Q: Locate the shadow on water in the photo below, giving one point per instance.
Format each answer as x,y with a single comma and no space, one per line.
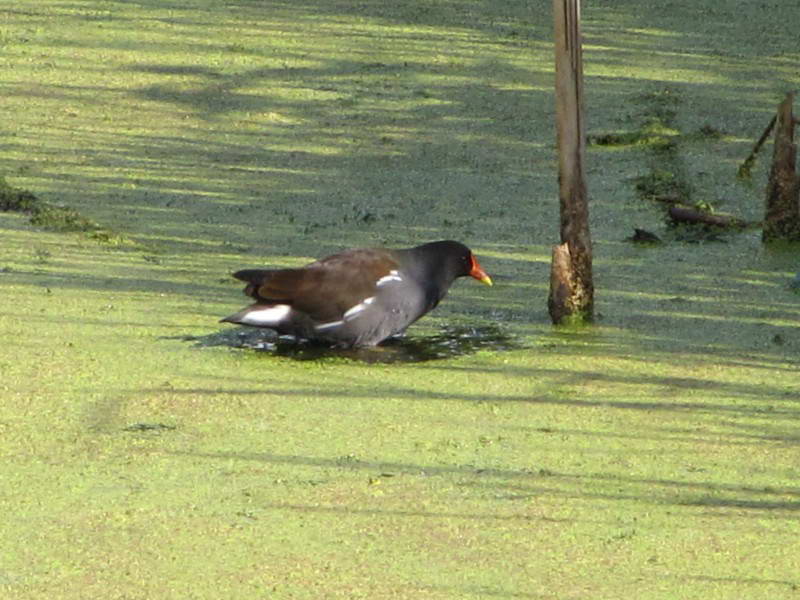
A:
449,343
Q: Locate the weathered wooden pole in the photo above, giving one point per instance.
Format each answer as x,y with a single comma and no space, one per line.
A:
571,288
782,218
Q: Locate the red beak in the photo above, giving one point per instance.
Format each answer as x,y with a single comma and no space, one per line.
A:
478,273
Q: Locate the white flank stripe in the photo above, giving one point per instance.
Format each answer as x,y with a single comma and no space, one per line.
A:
353,312
331,325
392,276
267,316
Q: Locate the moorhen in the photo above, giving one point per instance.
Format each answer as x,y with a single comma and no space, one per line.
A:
358,297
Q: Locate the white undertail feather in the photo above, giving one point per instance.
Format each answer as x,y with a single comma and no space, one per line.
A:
266,317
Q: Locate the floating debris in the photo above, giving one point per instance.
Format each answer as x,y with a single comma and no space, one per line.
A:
642,236
142,427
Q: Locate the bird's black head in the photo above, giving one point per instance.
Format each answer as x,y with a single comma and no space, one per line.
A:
456,259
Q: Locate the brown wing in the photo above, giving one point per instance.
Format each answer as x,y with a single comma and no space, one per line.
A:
269,285
325,289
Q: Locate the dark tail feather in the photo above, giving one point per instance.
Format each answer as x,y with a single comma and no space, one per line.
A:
254,276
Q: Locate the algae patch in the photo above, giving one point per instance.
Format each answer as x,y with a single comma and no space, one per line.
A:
16,200
52,217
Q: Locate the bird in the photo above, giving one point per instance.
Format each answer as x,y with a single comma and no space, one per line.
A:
358,297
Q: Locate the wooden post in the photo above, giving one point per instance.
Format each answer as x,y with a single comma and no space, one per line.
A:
782,218
571,287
